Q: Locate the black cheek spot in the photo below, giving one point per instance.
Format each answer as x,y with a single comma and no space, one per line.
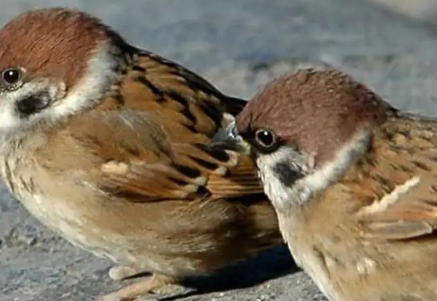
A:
286,173
33,104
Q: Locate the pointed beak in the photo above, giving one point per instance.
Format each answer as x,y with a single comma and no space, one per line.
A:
232,143
231,140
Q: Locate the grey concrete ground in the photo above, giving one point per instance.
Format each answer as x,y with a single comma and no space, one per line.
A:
238,45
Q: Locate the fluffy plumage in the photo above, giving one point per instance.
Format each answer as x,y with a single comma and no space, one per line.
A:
353,181
109,146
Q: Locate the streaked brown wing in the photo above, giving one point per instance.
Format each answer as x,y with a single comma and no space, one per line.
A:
140,162
158,121
240,180
171,92
403,174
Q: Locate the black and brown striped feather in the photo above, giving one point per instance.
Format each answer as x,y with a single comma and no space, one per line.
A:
158,121
403,148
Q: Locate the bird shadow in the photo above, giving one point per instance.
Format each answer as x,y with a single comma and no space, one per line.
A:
267,265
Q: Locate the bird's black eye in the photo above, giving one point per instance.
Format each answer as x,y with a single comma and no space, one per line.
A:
266,139
11,76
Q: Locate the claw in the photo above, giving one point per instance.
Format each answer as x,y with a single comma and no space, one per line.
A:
137,289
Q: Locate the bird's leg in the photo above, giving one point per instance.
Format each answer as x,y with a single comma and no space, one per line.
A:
139,288
122,272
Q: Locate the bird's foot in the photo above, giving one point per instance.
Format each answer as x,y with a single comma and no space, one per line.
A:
122,272
138,289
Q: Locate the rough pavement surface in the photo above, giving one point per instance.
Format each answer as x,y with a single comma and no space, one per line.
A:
238,45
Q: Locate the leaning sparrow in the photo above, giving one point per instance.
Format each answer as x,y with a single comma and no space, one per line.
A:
353,181
108,145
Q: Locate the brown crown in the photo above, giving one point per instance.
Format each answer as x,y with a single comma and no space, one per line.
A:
317,111
53,42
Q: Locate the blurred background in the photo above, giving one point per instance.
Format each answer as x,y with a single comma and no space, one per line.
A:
238,45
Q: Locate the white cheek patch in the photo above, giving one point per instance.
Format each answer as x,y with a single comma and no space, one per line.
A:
276,187
9,118
284,196
88,91
276,191
13,125
97,79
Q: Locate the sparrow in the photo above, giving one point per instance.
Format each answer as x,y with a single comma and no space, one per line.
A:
353,181
111,147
